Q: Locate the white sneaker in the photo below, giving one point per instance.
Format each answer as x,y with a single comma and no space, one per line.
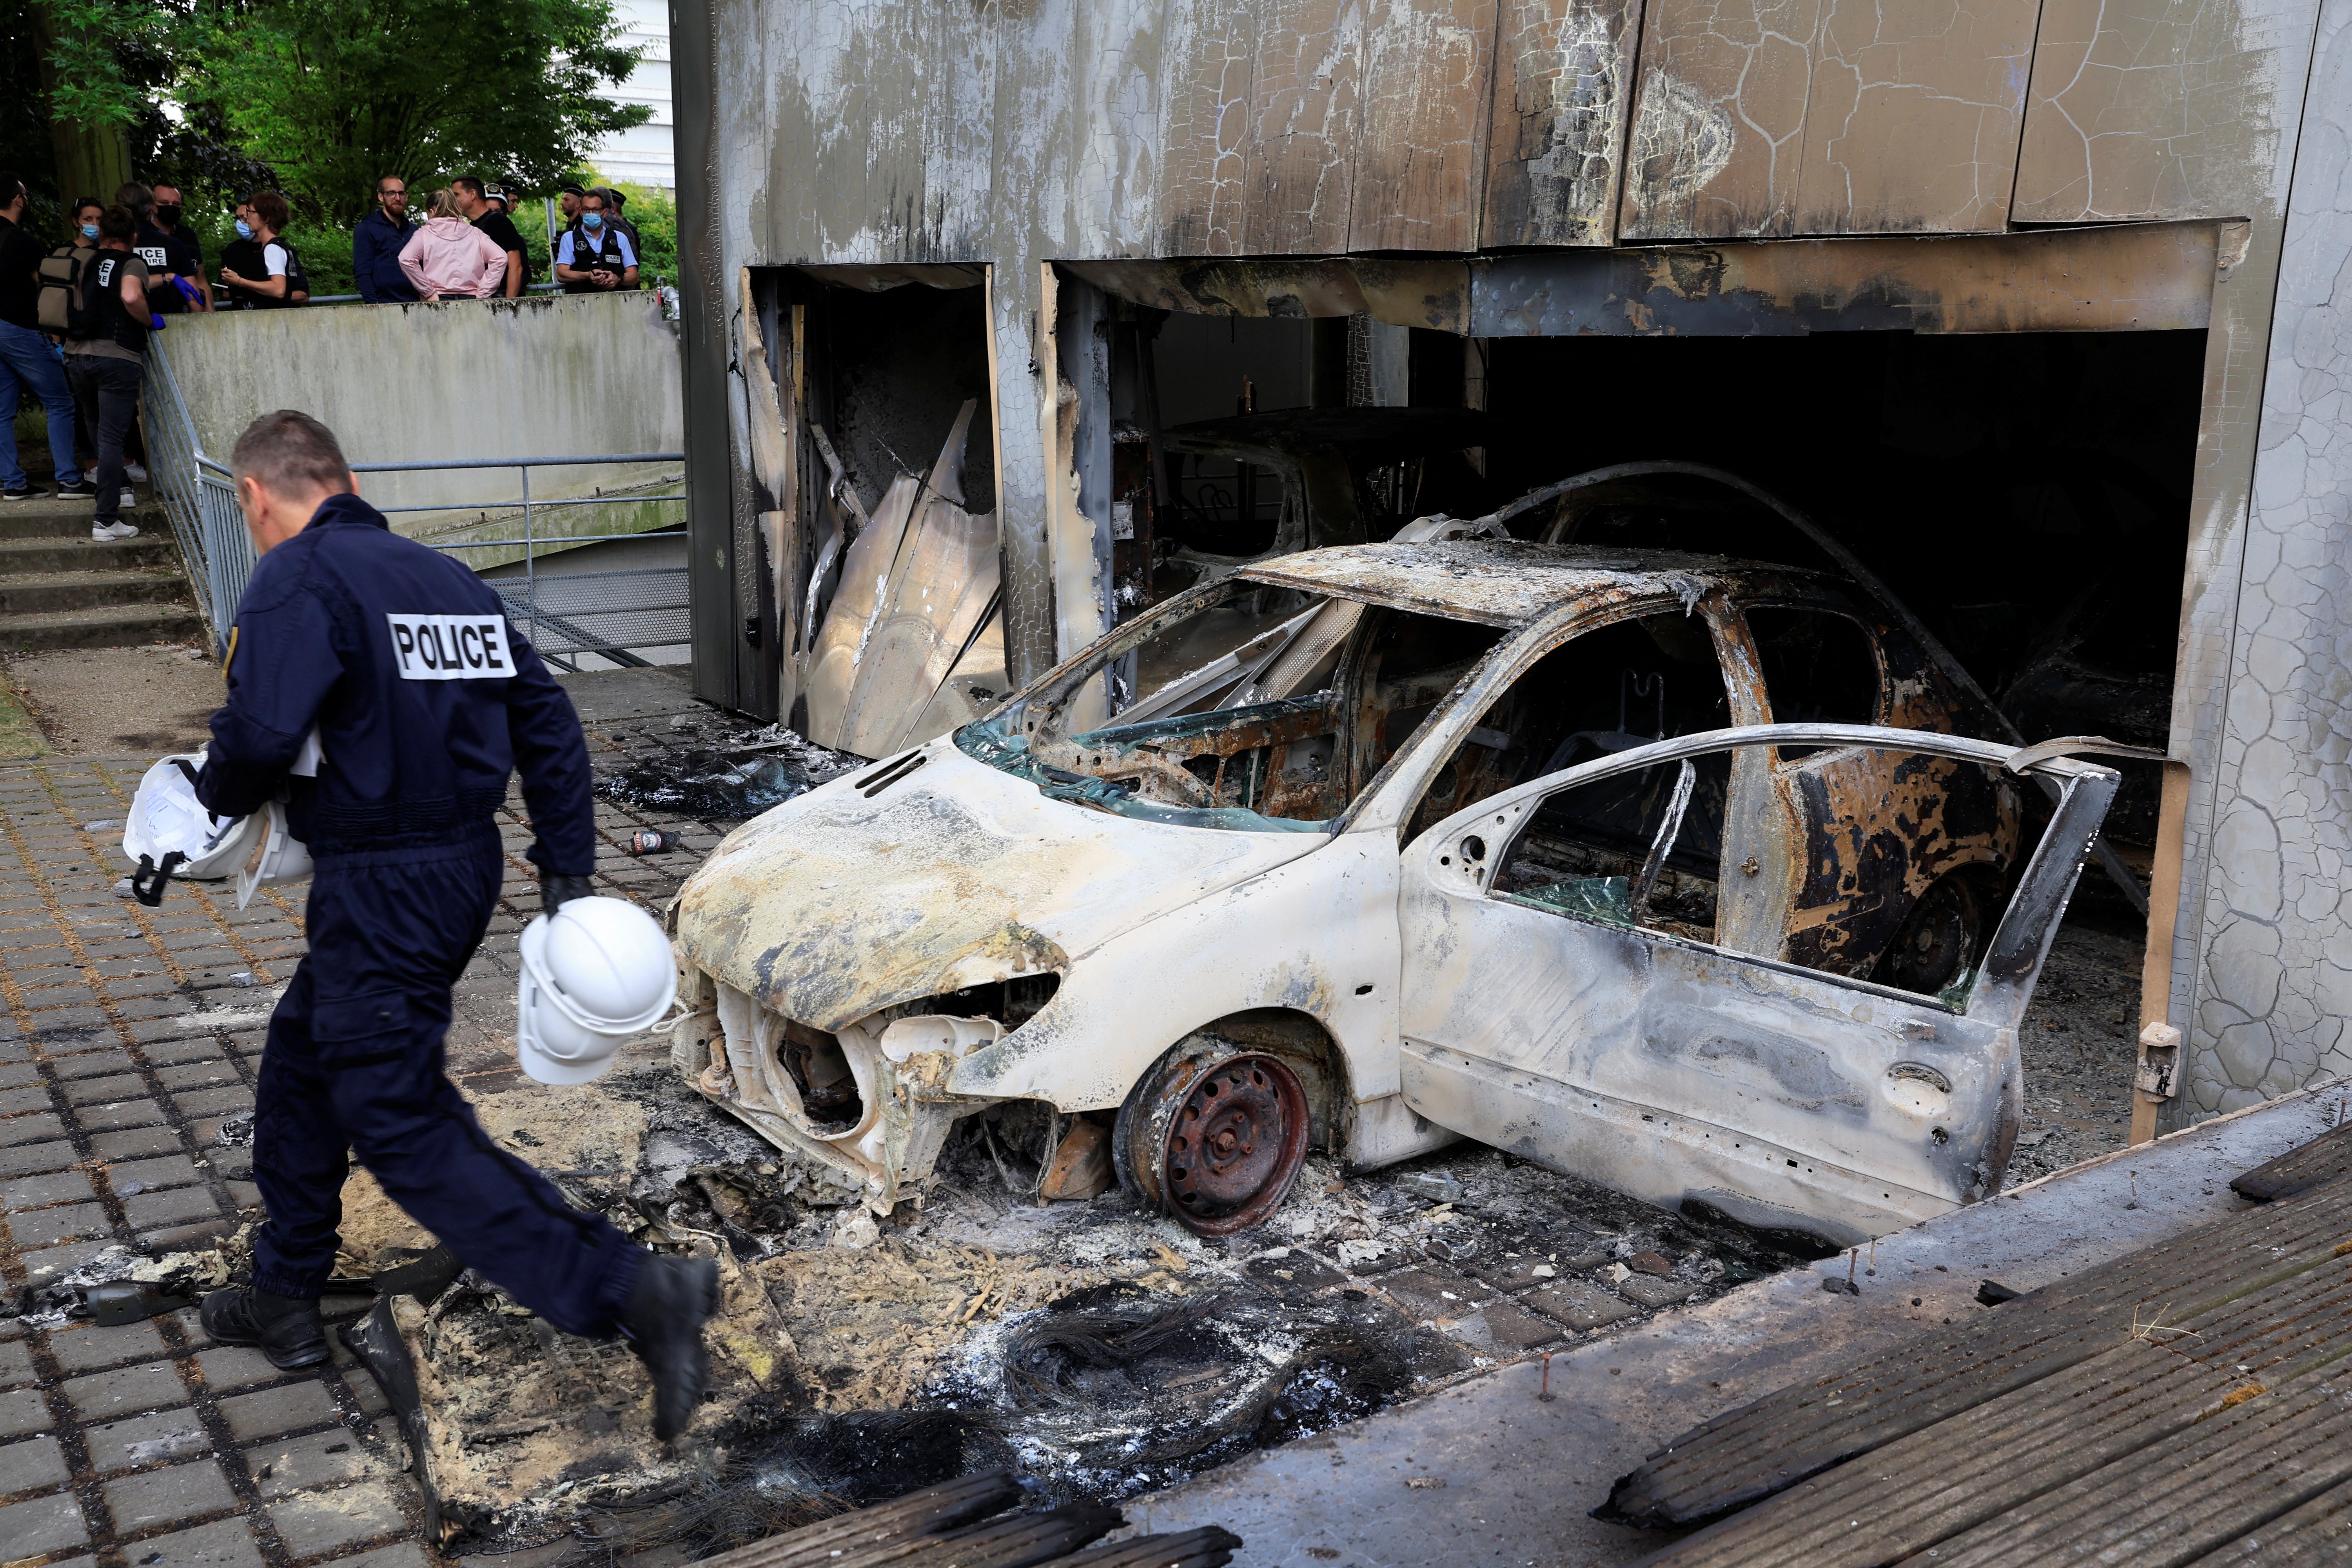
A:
135,473
102,531
128,497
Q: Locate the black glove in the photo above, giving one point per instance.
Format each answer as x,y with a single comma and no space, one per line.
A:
556,892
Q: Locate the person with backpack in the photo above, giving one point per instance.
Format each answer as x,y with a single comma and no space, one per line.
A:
27,362
260,270
105,358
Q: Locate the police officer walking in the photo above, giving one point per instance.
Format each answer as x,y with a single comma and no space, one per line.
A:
392,771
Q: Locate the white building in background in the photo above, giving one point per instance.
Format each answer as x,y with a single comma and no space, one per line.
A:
644,156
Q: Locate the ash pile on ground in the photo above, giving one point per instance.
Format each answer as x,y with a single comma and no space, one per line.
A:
717,771
2080,1041
1101,1351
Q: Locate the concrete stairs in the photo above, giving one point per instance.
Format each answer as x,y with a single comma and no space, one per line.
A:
59,588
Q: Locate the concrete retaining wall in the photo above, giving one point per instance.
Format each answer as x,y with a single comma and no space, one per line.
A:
547,377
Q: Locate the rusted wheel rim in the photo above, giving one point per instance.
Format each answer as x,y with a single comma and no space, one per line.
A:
1234,1143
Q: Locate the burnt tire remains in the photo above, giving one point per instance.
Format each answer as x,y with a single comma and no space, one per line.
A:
1212,1139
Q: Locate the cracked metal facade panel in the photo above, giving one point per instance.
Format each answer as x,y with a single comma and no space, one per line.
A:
2151,109
1563,79
2275,974
1301,156
1769,118
1211,60
1420,160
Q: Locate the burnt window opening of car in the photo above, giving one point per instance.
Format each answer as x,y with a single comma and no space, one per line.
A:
1608,689
1263,708
1584,851
1819,667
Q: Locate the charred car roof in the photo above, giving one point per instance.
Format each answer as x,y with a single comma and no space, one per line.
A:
1508,581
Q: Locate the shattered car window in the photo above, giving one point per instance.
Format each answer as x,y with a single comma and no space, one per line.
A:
1880,865
1264,708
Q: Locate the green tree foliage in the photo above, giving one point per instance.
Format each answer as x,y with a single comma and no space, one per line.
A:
335,93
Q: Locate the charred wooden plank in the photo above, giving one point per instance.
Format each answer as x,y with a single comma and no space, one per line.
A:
1016,1542
2318,1531
2325,1159
1791,1435
919,1515
1207,1548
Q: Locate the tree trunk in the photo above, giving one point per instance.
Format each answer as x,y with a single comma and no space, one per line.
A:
92,160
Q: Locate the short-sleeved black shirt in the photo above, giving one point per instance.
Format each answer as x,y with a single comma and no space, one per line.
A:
503,234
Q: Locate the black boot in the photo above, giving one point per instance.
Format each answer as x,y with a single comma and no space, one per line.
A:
672,1299
288,1330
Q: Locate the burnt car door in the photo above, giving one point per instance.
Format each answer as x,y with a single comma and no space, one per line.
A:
1564,997
1904,856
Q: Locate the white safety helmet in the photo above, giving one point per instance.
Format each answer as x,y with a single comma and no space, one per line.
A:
281,861
170,833
594,974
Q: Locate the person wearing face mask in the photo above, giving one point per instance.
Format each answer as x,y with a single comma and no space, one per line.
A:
105,368
258,268
592,256
170,248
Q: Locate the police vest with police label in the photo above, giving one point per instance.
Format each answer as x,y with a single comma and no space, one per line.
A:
602,251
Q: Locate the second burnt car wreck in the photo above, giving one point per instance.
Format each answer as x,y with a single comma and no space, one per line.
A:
1665,869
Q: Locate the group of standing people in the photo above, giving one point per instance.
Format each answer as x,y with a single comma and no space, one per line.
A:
75,321
467,247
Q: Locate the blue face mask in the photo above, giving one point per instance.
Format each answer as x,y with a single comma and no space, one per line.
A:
89,231
591,221
244,229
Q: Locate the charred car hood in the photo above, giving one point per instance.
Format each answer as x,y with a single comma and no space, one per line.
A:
833,906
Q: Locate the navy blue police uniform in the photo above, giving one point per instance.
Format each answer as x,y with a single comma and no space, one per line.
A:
423,700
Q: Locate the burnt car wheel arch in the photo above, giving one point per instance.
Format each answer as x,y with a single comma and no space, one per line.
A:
1942,938
1295,1043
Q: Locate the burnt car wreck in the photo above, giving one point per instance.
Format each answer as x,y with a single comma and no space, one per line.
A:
1669,870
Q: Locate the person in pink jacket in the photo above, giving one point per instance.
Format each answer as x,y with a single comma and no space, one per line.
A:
449,258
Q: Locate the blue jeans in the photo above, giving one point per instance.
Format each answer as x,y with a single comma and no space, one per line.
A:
26,360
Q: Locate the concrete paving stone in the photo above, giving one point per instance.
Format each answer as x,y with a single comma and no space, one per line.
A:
24,1410
52,1227
181,1050
1581,1305
28,938
41,1525
228,1367
29,1158
142,987
366,1393
34,1192
173,1004
16,1365
56,968
26,1096
77,1027
85,1347
254,1416
126,1390
1644,1290
32,1127
225,1543
52,1261
176,1206
228,1101
100,1091
321,1458
163,1438
167,1496
192,1238
34,1462
194,1075
1435,1292
55,1001
135,1144
93,1063
1504,1328
311,1522
116,1115
148,1175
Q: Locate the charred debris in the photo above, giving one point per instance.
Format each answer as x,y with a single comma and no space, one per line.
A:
1094,1349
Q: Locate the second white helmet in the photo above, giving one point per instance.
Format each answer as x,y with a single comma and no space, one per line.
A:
594,974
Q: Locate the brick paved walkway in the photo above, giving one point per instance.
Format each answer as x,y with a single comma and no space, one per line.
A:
131,1035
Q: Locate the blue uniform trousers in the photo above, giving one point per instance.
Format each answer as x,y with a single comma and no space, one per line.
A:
353,1066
